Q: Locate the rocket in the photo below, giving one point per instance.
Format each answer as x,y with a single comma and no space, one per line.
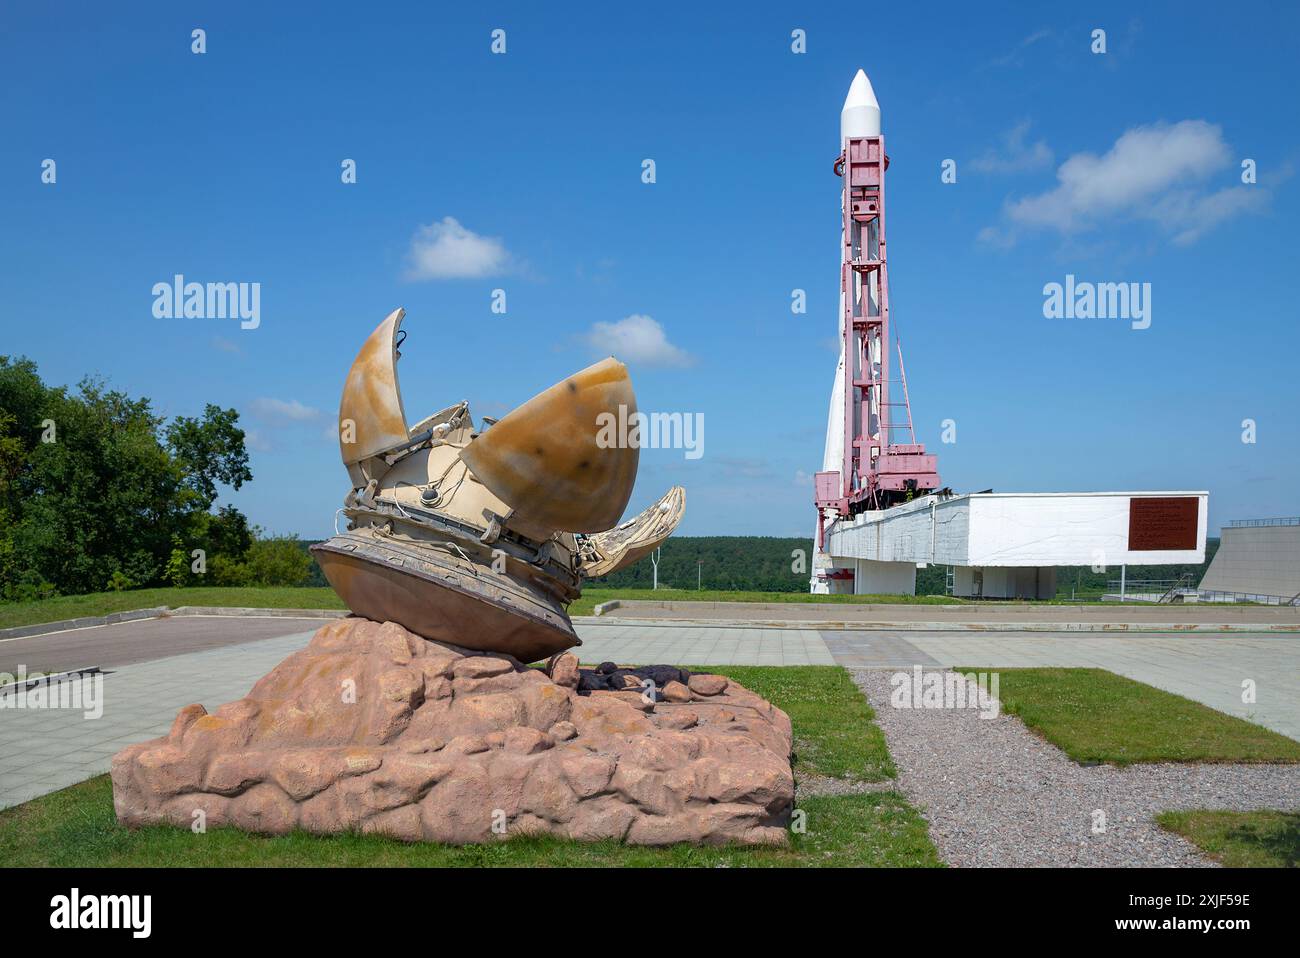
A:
865,466
860,116
861,113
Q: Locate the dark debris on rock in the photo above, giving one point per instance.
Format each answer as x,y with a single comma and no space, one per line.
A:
608,677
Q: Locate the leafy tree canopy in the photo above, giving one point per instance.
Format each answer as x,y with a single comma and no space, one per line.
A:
96,488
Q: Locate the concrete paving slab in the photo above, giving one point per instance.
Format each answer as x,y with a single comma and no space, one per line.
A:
857,649
647,644
142,641
57,748
992,613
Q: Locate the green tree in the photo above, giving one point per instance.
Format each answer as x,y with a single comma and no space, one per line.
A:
11,458
209,450
278,561
91,493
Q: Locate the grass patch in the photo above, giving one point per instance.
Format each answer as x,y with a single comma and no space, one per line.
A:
14,614
75,828
1240,839
593,595
834,732
1097,716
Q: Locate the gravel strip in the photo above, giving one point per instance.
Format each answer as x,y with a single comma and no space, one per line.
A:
995,794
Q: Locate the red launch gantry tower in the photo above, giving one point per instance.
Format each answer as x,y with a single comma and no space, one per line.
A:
876,471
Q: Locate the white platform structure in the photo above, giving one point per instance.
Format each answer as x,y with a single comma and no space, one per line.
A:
1008,545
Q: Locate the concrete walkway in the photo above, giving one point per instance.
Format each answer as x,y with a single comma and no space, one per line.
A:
987,614
1205,668
43,750
143,641
679,644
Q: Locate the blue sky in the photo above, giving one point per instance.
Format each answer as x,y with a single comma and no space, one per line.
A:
1114,167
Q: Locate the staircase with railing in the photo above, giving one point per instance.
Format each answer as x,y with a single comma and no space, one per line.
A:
1177,591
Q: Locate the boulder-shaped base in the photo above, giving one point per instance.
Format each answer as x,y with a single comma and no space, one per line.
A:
374,729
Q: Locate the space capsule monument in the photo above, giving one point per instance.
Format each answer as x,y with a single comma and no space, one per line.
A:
481,535
419,717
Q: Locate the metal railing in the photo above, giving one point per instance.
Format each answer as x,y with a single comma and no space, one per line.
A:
1161,591
1165,591
1215,595
1254,523
1144,585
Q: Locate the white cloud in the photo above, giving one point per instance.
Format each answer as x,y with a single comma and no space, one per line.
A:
1154,173
637,339
280,410
1142,164
1187,216
1015,156
1016,56
257,441
996,237
447,250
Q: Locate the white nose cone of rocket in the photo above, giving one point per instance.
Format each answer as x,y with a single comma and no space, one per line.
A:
861,113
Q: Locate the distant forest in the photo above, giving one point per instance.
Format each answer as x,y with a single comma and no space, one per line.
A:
735,563
766,564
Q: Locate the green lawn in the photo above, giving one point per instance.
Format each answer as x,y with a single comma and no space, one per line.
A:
102,603
1096,716
271,597
834,737
595,594
1240,839
75,828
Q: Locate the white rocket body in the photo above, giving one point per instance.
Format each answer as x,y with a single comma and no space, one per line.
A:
861,113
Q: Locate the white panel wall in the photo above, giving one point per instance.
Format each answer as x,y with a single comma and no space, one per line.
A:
963,581
1005,582
1042,529
923,531
885,578
1008,529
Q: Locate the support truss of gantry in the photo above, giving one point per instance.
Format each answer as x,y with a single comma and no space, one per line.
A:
876,472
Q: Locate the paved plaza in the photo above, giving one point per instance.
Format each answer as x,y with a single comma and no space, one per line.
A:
142,641
881,614
42,750
650,643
